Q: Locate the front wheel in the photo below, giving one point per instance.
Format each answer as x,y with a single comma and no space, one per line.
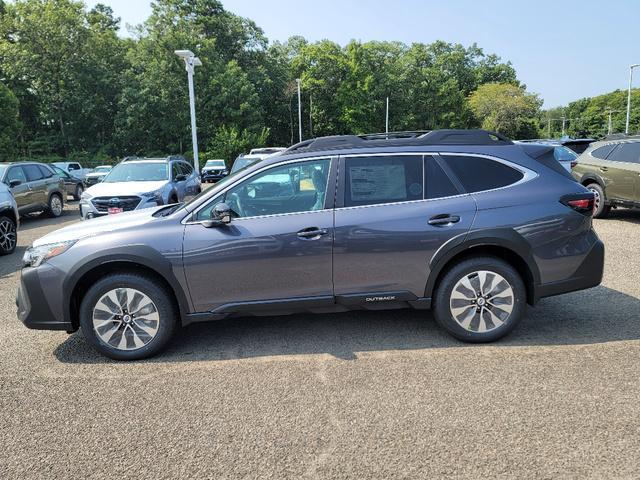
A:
128,316
480,299
55,205
601,209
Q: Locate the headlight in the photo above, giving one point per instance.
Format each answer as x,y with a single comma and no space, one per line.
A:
34,256
85,195
153,196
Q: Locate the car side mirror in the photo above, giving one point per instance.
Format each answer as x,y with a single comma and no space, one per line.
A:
220,215
14,183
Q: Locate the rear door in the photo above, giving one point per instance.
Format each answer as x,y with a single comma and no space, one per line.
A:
37,184
621,171
393,212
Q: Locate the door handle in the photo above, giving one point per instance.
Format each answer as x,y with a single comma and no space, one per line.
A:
312,233
443,220
604,169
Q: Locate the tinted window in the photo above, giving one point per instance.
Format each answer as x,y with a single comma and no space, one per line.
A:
626,152
60,172
383,179
438,183
563,154
33,172
477,174
296,187
16,173
74,166
186,169
46,173
603,152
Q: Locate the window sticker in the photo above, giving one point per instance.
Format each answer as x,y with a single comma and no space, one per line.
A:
375,182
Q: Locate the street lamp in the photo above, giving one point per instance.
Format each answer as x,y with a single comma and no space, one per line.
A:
631,67
190,62
299,111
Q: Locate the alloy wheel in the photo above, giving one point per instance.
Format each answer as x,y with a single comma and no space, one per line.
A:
125,319
481,301
596,200
8,235
56,205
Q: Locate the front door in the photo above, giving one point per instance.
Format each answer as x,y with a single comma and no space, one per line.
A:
277,247
621,170
21,192
396,212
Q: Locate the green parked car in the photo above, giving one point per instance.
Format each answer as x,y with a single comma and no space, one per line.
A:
611,170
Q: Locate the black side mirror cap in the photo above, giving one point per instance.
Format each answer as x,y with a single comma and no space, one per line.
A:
14,183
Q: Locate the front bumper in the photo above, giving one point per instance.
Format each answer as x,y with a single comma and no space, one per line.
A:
588,275
208,176
88,210
35,310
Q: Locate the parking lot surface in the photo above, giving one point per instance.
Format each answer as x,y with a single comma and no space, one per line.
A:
355,395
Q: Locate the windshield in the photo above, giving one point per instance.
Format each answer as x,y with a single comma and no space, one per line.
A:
138,172
102,169
58,171
215,163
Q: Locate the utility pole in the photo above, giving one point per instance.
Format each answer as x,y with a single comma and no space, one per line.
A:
310,115
299,111
386,121
564,121
610,126
631,67
190,62
549,127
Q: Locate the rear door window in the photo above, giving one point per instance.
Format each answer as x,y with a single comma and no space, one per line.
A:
438,184
479,174
626,152
383,179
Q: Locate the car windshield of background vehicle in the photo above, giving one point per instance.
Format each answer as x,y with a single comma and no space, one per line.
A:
215,163
138,172
102,169
60,172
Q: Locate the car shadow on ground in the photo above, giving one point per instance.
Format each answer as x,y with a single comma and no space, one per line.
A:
594,316
626,215
38,220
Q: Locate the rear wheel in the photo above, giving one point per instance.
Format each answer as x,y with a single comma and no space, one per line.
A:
55,205
128,316
601,210
78,192
8,235
480,299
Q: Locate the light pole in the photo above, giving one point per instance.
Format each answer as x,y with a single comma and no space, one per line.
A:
386,118
631,67
190,62
299,111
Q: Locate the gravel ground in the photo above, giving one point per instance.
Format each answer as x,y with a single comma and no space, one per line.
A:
358,395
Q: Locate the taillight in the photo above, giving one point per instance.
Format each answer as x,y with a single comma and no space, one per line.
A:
583,203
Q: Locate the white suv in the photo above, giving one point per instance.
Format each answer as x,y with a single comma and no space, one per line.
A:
140,183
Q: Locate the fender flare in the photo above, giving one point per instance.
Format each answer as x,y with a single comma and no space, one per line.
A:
135,254
506,239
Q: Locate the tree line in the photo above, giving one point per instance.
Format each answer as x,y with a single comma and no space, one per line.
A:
71,86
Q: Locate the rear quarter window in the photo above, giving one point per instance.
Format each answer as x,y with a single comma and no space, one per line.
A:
478,174
602,152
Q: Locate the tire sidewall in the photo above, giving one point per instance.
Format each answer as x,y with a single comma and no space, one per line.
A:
78,192
51,212
149,287
442,312
603,209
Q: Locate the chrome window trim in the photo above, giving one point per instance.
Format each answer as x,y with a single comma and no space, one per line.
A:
186,221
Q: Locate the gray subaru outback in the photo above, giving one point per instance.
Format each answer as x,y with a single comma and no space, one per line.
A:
462,222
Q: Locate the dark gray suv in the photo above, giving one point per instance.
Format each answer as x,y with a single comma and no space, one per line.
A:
463,222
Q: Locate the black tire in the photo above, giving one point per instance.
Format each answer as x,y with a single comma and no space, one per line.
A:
154,290
443,302
602,209
53,210
8,235
78,192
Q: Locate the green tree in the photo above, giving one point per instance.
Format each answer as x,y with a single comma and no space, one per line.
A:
506,108
9,123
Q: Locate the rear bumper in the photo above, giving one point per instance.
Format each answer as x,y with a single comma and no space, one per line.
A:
588,275
34,309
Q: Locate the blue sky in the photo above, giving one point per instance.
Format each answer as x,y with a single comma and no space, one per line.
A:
562,50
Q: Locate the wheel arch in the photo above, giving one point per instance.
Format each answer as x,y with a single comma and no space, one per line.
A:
507,245
151,264
588,178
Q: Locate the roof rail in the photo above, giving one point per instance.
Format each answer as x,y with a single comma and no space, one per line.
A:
401,139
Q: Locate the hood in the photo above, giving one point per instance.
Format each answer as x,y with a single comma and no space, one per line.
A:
96,226
124,188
